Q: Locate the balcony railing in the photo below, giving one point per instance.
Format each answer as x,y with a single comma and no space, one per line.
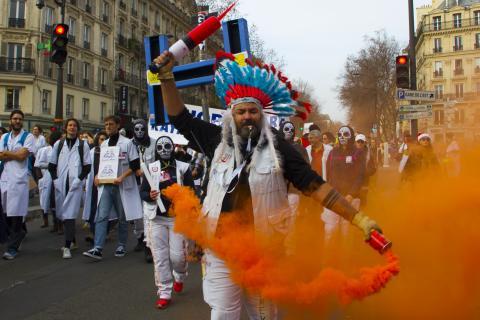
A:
144,19
86,44
48,28
458,72
73,2
104,52
11,107
88,8
447,25
122,5
16,23
105,18
85,83
70,78
438,73
437,49
103,87
134,12
17,65
134,44
458,48
71,39
122,41
122,75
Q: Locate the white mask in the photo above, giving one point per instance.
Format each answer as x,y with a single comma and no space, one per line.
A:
288,130
344,135
139,131
164,148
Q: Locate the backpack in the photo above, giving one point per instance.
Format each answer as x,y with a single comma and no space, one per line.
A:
80,149
22,142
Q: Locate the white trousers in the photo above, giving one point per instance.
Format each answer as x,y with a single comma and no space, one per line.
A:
169,251
226,298
333,221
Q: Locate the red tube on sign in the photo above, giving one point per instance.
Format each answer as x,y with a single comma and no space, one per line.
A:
378,242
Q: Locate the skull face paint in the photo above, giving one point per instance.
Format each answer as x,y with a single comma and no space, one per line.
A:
344,135
139,131
164,147
288,130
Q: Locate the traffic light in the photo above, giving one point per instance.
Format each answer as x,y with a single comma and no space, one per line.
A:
59,43
402,72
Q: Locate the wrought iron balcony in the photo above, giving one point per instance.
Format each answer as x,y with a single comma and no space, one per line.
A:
70,78
86,44
438,73
73,2
122,75
88,8
458,48
11,107
17,65
122,41
437,49
458,72
103,87
71,39
447,25
105,18
134,12
145,19
104,52
86,83
16,23
122,5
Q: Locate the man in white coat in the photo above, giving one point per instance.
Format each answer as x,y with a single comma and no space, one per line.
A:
123,194
69,165
15,148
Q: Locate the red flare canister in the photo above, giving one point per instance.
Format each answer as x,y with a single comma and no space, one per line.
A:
378,242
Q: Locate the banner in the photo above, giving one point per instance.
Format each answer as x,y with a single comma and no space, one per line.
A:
123,100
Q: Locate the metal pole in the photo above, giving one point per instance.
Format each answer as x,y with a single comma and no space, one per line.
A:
58,119
413,62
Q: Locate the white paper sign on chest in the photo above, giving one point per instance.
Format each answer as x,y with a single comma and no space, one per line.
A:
108,166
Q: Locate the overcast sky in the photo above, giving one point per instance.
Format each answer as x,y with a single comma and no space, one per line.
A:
316,36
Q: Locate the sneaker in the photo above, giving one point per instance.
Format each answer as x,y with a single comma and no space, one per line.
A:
10,254
177,286
93,253
162,303
120,252
66,254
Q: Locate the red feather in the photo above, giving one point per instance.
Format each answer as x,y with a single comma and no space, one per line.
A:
301,115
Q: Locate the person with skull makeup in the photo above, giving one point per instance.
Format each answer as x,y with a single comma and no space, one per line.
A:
346,173
166,245
287,131
249,170
146,151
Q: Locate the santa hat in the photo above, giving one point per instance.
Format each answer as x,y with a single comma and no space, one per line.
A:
423,136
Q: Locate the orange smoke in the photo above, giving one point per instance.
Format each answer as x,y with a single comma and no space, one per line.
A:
260,265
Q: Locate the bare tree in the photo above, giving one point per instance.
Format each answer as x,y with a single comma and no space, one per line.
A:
367,88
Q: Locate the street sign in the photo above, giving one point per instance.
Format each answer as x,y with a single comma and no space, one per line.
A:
415,107
403,94
415,115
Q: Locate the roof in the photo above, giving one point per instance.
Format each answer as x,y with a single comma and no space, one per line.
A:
453,3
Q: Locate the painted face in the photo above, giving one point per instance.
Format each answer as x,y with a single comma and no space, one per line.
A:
164,147
139,131
288,130
344,135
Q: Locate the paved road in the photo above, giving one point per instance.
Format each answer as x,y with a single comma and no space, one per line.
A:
39,284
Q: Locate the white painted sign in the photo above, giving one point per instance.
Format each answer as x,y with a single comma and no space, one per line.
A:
404,94
415,107
415,115
108,166
155,173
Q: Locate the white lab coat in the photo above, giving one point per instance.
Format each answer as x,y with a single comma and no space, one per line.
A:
14,179
40,142
326,151
68,204
45,183
129,192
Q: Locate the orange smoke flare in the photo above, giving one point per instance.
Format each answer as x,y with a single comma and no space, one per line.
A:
259,264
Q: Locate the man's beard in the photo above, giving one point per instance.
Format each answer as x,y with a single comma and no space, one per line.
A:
249,129
16,128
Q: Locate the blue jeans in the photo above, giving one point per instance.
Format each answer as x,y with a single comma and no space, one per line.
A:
110,199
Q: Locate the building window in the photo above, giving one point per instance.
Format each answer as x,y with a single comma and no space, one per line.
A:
88,6
69,106
86,74
86,36
46,101
457,20
72,26
103,80
14,57
134,32
437,45
13,99
17,14
121,61
104,43
144,10
85,108
459,90
105,11
439,117
437,23
438,69
70,69
103,110
457,45
134,5
438,91
48,19
476,17
157,20
459,116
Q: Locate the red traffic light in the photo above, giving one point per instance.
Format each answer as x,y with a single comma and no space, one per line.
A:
60,29
402,60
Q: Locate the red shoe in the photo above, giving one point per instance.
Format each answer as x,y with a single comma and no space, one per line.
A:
178,287
162,303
